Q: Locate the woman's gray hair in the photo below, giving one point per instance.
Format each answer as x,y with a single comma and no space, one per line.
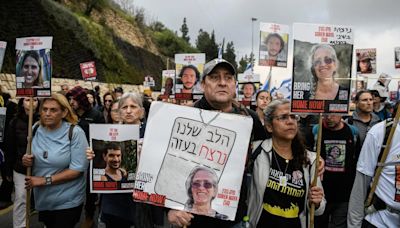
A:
136,97
271,108
314,78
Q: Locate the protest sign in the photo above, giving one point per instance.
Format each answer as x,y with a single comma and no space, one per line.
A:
168,82
2,123
248,84
321,68
197,148
188,70
34,66
113,168
3,46
149,81
274,39
396,57
88,70
366,61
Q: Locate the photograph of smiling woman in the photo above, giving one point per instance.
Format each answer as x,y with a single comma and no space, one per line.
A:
30,69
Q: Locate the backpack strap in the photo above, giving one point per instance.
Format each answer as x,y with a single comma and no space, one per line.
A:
70,131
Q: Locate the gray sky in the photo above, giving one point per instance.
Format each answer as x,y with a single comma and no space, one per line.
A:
375,23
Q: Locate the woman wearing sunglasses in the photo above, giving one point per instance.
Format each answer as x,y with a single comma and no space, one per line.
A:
202,188
280,192
324,66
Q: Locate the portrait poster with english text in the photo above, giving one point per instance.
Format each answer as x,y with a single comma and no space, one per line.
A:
3,46
113,169
187,86
199,159
34,66
274,39
321,68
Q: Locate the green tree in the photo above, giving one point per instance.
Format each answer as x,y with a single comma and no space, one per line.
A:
205,43
229,54
185,31
243,64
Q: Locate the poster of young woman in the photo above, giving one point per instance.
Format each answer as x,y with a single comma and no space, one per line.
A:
273,44
366,61
33,68
321,68
188,68
197,161
113,169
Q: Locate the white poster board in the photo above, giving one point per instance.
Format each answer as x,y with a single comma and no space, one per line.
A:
192,139
113,168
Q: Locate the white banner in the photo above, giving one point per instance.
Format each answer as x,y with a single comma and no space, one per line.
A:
198,157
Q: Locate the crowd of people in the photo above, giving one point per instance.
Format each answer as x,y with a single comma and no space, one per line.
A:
276,189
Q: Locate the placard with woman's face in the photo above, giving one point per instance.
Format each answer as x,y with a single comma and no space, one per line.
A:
321,68
33,68
366,61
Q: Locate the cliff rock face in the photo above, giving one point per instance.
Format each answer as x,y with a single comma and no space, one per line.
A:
122,51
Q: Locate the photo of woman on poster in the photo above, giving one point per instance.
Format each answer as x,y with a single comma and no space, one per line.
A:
202,188
30,70
324,67
364,65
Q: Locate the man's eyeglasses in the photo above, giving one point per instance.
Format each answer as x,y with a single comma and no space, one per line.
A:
286,117
114,110
205,184
327,60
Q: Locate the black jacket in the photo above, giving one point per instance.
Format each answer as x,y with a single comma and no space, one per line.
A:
16,143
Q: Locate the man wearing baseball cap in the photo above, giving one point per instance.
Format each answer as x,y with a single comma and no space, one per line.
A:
218,82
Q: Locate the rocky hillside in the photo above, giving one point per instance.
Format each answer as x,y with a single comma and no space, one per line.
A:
123,52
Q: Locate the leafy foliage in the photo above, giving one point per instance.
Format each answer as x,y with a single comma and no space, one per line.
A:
229,54
169,43
206,44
